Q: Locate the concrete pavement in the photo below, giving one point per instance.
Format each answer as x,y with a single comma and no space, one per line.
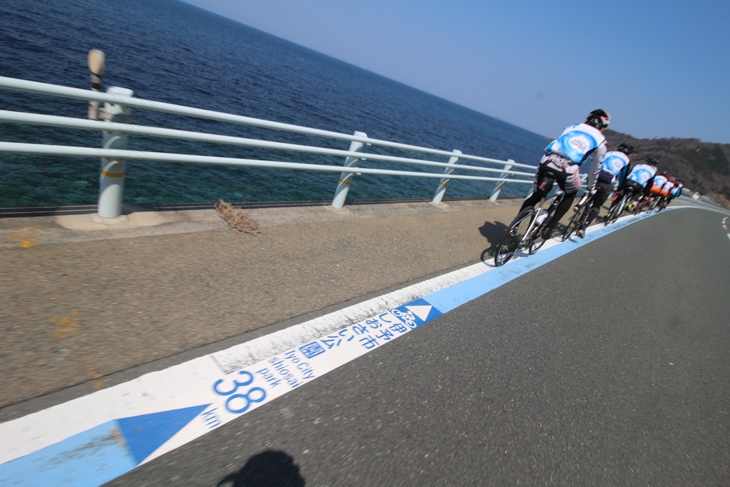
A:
87,300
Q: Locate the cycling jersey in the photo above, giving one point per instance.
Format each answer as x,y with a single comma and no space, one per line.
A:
577,142
642,174
676,190
659,182
613,164
667,188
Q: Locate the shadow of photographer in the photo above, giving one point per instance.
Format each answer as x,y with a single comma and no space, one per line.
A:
270,468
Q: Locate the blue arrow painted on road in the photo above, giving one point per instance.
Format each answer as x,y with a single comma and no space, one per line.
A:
100,454
148,432
422,310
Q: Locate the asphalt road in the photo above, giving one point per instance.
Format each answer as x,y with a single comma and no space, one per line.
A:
608,366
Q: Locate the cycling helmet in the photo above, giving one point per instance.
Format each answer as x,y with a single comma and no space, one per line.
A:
626,148
598,118
671,180
653,161
663,173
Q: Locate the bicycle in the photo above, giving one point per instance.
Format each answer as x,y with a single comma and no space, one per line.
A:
525,231
654,203
639,203
582,210
618,209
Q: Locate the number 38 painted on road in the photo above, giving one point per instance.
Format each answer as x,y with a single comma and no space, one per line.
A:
255,394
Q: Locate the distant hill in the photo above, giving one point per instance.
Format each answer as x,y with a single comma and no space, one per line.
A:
703,167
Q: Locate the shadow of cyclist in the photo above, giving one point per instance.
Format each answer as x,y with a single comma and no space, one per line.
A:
493,232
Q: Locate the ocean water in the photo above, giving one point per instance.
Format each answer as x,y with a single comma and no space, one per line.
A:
169,51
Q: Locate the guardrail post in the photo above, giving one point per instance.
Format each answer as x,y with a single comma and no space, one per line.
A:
498,188
111,180
444,183
346,177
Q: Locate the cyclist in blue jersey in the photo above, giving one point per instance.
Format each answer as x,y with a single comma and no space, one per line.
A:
639,179
563,158
675,191
615,165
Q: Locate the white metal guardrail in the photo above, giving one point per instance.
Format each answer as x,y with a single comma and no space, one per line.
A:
116,127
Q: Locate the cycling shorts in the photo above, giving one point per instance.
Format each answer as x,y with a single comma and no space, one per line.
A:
567,171
633,186
656,190
665,193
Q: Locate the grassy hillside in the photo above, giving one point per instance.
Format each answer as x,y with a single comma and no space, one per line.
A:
702,166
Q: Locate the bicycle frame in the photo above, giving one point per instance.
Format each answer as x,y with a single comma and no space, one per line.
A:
513,239
534,224
580,216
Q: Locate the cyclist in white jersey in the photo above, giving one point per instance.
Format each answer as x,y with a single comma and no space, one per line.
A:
658,184
563,158
665,192
675,191
640,177
615,165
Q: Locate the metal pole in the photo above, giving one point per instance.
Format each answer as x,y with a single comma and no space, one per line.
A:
97,62
346,177
444,183
111,180
498,188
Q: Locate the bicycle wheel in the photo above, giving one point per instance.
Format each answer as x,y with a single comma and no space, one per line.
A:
576,221
613,212
537,240
512,239
584,217
653,205
620,208
609,216
639,206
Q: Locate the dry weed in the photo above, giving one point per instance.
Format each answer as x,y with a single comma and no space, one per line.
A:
237,218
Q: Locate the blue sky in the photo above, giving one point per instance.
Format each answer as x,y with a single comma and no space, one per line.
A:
660,68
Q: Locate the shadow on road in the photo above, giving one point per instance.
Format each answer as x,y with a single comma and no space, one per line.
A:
267,469
493,232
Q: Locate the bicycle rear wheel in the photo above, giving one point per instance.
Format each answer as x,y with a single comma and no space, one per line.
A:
537,240
609,217
576,221
620,208
512,239
654,205
639,205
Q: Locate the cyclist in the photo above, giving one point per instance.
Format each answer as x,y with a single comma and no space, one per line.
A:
655,189
659,181
675,191
666,189
563,158
640,178
615,165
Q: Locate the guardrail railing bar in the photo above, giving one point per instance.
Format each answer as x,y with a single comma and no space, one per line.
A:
67,92
71,151
85,124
